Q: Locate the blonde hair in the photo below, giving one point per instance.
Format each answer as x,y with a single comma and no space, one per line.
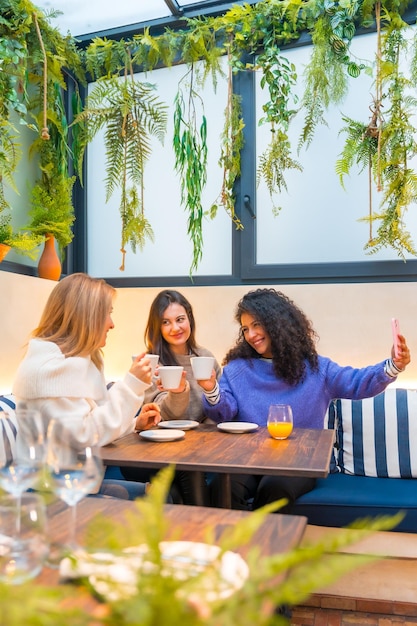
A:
75,314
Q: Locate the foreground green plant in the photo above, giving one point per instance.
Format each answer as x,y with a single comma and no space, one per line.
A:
162,599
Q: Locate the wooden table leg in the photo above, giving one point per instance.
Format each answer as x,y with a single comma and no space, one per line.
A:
225,491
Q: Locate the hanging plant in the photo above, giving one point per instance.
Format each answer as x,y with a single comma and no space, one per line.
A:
231,146
280,76
190,148
386,144
131,114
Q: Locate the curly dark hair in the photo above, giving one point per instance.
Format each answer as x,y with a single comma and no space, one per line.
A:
154,341
292,335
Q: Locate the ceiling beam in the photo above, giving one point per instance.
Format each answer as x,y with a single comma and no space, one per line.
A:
174,7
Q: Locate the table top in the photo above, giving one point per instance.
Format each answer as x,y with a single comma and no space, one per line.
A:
305,453
277,534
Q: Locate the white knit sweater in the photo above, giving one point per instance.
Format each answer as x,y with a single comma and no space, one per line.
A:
73,386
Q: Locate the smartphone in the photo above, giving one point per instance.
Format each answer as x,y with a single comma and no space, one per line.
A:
395,332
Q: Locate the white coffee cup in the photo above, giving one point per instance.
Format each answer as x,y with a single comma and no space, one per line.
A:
153,358
202,366
170,376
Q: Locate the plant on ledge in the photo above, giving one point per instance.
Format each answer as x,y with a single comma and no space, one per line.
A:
22,242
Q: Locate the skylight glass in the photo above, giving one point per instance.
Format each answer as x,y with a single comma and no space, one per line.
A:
83,17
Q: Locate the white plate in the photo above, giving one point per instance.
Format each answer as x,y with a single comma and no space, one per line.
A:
183,424
237,427
162,435
116,576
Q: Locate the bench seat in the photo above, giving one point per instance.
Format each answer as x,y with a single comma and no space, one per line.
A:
340,499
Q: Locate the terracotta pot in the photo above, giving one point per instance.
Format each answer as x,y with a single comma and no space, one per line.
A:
49,265
4,249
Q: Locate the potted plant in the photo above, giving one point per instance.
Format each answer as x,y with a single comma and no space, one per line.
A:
52,216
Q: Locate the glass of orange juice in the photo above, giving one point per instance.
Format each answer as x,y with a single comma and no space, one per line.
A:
280,421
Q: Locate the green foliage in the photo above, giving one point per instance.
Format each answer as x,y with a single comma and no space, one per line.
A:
22,242
190,148
274,161
52,210
164,599
386,146
130,113
252,36
232,144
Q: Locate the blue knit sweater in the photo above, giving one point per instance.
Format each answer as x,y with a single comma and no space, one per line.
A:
249,387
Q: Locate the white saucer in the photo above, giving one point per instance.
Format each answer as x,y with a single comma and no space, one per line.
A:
183,424
162,435
237,427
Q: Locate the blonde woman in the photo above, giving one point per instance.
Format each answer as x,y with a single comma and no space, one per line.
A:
62,373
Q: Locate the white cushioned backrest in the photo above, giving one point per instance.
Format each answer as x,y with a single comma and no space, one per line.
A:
378,436
8,429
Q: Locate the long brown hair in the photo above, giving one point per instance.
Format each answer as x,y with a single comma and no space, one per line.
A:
154,341
75,314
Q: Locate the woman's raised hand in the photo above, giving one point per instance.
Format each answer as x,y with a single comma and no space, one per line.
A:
403,359
141,368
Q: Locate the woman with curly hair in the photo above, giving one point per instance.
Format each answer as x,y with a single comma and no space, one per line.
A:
275,361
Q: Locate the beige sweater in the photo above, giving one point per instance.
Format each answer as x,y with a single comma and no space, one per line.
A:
185,405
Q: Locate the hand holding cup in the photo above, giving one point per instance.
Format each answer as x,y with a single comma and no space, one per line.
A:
142,368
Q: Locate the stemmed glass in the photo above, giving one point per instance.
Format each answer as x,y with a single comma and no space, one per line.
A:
22,461
74,464
22,557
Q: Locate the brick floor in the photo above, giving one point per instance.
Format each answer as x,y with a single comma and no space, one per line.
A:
315,616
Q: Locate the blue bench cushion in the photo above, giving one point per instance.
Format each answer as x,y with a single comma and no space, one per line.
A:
8,429
378,436
340,499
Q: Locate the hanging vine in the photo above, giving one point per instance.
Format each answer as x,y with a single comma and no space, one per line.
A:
190,148
231,146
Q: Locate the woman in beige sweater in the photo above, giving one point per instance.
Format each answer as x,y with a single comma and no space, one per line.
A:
170,333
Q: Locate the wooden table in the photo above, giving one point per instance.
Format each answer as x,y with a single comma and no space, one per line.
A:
305,453
278,533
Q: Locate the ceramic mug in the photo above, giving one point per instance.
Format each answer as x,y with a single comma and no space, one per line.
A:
153,358
202,366
170,376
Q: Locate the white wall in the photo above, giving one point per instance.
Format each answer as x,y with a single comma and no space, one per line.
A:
353,320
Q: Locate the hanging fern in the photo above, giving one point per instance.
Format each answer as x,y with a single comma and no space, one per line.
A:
131,114
386,145
274,162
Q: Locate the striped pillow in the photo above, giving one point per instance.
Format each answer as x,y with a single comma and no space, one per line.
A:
8,429
378,436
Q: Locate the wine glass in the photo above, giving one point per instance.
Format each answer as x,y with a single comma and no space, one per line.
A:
22,460
22,557
74,464
280,421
